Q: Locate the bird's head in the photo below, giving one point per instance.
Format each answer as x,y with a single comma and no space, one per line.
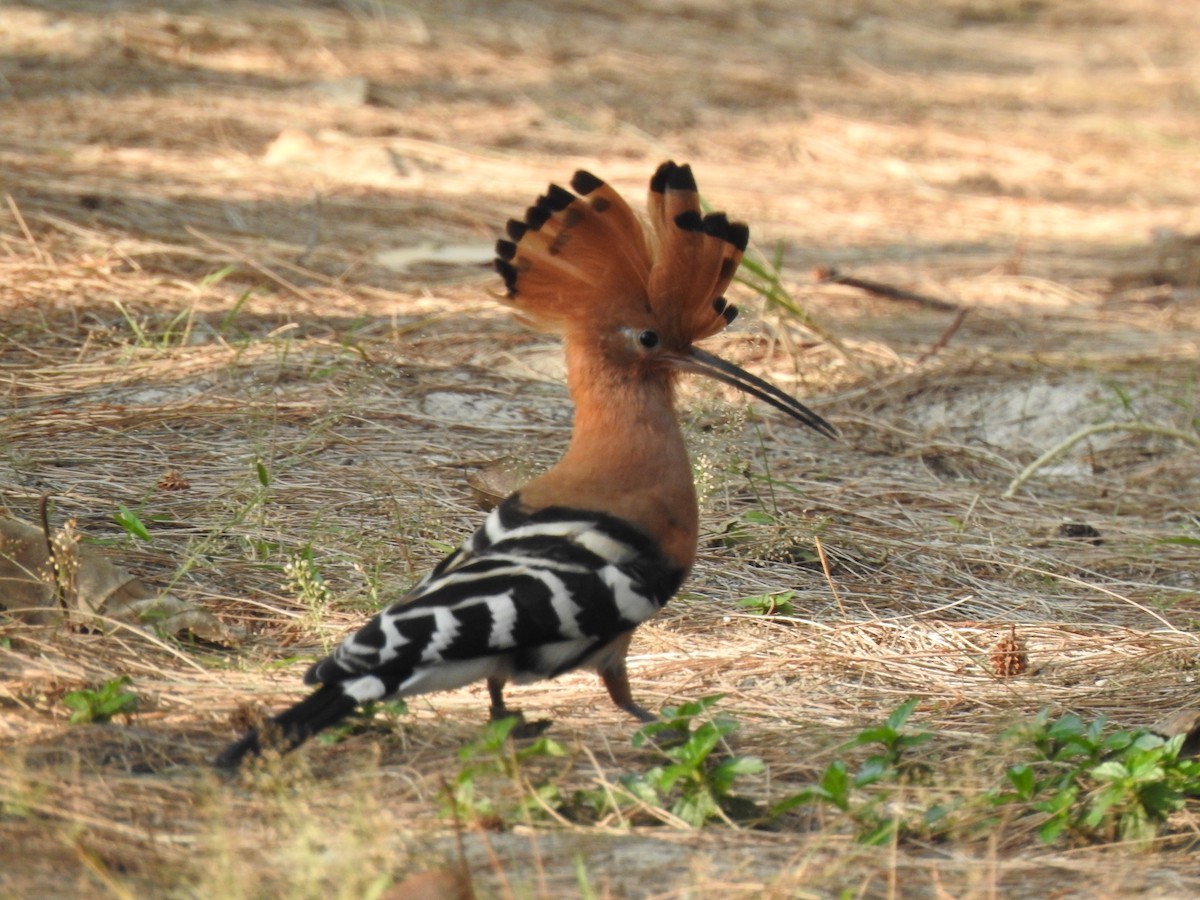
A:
584,265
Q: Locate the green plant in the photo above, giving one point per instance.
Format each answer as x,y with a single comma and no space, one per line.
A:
1124,784
778,603
761,535
693,785
876,818
765,277
304,579
100,705
494,758
1190,537
132,523
582,882
177,332
1081,782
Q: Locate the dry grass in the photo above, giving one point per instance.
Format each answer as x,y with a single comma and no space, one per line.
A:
193,207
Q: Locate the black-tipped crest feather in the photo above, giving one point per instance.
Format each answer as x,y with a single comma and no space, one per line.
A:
584,182
583,256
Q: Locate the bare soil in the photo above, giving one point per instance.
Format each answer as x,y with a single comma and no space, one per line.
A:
249,242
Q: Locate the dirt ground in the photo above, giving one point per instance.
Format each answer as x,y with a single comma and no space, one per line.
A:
249,243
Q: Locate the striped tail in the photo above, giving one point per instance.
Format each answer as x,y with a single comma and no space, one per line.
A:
293,726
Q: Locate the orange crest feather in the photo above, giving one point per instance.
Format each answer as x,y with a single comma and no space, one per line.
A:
585,260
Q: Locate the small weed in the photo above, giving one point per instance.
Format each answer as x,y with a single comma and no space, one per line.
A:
582,882
441,547
177,332
132,523
875,817
139,333
765,277
212,279
1095,786
1182,541
1190,536
110,699
760,535
303,578
1124,398
693,786
228,320
1081,783
778,603
495,758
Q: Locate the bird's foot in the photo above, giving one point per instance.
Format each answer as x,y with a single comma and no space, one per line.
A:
660,735
654,730
524,730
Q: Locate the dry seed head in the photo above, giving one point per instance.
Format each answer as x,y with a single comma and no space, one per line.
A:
1010,657
173,480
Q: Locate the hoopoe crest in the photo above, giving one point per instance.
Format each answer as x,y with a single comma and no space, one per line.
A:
561,573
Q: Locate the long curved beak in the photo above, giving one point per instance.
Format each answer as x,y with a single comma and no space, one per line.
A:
702,363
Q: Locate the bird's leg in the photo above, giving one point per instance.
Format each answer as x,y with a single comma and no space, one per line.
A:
499,711
616,680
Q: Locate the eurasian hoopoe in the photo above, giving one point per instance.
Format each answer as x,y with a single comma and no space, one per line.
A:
563,571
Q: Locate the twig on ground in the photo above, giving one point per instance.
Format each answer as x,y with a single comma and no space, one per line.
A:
833,276
828,575
944,337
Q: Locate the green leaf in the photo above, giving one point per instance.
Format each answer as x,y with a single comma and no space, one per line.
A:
808,795
695,808
1049,832
1147,740
129,520
880,834
777,604
1118,740
1023,779
873,769
1059,802
542,746
1110,771
693,708
758,517
641,789
897,719
1137,827
264,477
1066,726
835,782
102,704
879,735
212,279
744,765
724,774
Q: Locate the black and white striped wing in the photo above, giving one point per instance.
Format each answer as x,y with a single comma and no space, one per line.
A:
526,597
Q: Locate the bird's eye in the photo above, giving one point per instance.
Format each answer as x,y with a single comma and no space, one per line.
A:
648,339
